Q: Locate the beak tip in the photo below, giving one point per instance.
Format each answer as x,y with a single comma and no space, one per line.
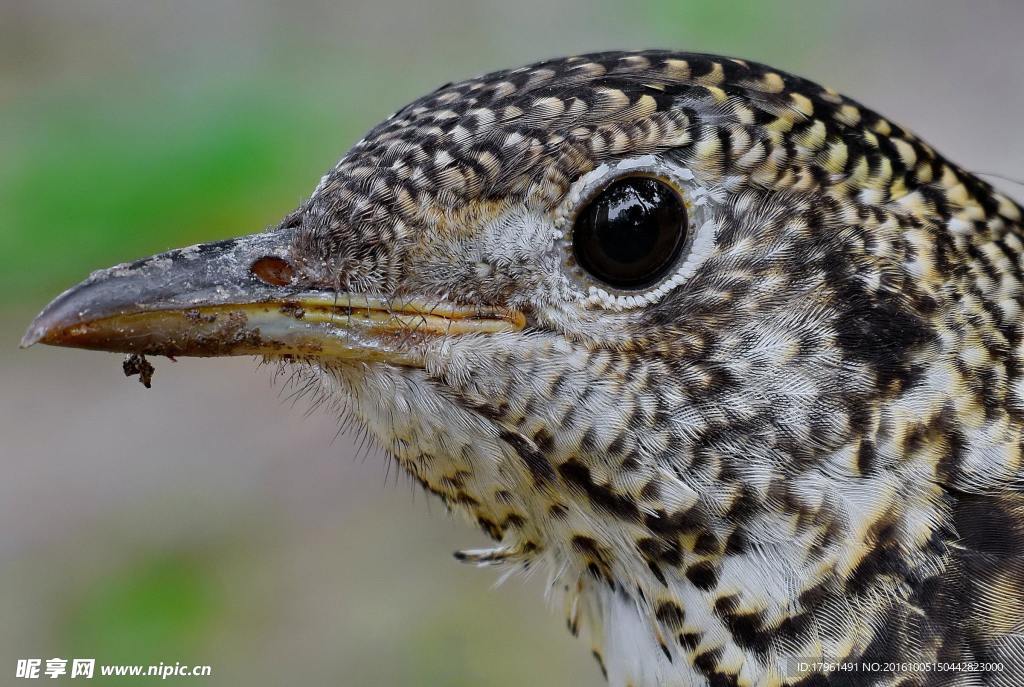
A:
43,327
36,333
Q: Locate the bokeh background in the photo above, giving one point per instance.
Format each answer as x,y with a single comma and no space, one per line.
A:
212,520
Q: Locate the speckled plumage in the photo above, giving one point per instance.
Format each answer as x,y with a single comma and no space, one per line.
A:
810,447
805,443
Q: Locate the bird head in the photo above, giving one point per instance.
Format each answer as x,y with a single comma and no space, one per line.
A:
681,326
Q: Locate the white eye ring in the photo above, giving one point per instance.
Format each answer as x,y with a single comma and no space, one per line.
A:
700,205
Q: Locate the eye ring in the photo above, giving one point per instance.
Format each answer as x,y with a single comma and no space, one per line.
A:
629,233
704,206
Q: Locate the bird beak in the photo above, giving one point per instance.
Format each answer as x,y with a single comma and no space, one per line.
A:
237,297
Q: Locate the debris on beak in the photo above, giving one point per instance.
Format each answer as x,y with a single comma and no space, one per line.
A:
136,364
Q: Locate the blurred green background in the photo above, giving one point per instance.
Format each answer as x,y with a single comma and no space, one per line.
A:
211,520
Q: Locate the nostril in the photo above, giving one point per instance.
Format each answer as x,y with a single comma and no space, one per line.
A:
273,270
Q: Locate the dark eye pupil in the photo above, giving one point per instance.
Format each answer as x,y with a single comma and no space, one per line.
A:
631,233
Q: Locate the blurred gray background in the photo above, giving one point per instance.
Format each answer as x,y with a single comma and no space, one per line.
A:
211,519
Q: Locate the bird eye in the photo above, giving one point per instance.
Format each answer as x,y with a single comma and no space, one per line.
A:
630,234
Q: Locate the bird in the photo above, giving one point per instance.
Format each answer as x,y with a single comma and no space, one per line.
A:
734,359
